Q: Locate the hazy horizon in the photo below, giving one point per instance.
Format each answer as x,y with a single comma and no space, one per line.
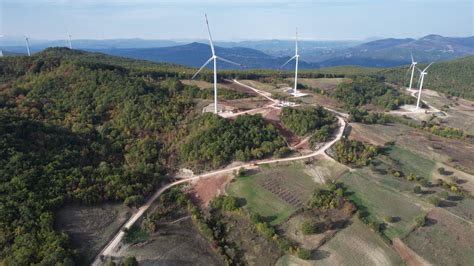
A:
263,19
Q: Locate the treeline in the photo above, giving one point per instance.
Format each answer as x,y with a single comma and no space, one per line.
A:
365,117
364,90
215,141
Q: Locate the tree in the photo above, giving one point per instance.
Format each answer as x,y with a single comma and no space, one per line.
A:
130,261
417,190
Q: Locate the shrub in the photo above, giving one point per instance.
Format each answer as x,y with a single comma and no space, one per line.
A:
130,261
303,253
417,189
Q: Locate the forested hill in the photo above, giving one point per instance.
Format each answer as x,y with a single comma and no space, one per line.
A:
84,128
78,127
455,78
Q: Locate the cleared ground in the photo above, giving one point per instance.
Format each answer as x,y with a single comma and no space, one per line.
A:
445,240
90,227
353,245
320,83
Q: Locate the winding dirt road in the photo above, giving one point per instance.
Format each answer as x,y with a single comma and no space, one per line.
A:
110,248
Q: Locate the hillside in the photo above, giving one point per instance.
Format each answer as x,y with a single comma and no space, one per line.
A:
195,54
86,128
453,78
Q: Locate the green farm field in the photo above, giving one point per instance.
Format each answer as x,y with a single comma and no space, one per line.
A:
275,191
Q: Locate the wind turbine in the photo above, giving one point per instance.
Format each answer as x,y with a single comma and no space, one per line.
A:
412,68
422,78
214,58
69,40
1,50
27,46
296,57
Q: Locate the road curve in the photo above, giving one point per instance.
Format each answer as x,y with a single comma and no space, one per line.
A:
108,250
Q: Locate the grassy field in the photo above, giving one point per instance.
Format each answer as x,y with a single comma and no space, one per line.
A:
384,200
353,245
320,83
256,190
445,240
90,227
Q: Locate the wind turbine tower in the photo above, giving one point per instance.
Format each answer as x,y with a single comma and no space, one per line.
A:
296,58
422,78
213,58
412,68
27,46
69,40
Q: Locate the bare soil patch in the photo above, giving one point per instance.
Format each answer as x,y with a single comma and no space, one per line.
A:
207,188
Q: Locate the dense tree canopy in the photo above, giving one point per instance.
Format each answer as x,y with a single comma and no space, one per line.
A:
364,90
215,141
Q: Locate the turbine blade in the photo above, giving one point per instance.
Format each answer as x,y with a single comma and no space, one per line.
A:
210,37
427,66
203,66
228,61
289,60
412,60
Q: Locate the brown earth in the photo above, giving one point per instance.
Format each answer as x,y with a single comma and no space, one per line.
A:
207,188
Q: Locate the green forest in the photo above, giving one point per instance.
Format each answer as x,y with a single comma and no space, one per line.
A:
302,121
364,90
215,141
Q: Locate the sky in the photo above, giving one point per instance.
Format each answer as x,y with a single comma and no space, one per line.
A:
235,20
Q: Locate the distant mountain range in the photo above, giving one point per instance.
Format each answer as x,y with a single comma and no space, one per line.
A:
272,53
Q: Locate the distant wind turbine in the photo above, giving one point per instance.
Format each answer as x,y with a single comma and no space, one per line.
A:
422,78
1,50
296,57
27,46
214,58
69,40
412,68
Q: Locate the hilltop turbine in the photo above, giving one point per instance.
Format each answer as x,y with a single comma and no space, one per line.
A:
69,40
296,57
422,78
214,58
27,46
412,68
1,50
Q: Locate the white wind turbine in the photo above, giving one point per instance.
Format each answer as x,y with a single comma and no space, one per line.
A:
422,78
69,40
296,57
412,68
27,46
1,50
214,58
